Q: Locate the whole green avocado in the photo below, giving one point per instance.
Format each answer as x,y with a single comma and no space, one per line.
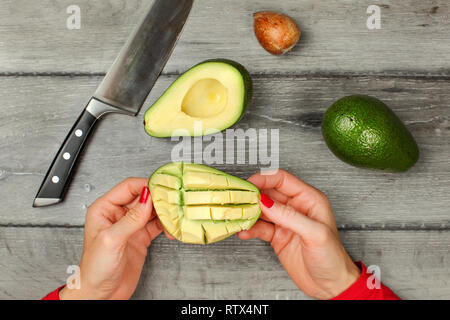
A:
364,132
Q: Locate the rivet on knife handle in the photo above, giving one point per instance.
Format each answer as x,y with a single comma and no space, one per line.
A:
60,172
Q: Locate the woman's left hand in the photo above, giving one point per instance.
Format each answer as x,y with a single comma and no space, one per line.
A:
119,228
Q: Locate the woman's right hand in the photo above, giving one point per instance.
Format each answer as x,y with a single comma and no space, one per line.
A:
300,226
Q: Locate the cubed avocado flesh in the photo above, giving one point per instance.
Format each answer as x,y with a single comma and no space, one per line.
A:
206,99
198,204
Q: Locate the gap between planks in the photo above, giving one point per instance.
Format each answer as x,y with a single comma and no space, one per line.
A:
347,227
382,75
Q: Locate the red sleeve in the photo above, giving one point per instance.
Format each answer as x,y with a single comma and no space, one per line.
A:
54,295
361,291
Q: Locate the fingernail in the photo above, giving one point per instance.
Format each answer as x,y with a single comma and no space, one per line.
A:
266,201
144,195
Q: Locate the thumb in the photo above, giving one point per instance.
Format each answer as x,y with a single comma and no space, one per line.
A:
287,217
135,219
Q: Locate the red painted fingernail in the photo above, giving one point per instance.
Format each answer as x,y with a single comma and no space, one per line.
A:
144,195
266,201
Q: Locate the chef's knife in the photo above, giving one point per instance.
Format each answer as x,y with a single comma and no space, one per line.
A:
123,90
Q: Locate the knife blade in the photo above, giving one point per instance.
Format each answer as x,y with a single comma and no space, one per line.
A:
123,90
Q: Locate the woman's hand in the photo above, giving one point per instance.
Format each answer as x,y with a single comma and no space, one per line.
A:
119,228
300,226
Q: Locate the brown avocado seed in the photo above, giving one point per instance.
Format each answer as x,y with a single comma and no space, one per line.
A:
277,33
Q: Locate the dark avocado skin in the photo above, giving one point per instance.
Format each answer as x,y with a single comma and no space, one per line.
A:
364,132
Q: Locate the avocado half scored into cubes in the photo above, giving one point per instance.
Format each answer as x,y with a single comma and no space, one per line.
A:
201,205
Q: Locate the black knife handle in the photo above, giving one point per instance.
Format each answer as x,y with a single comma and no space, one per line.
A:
60,172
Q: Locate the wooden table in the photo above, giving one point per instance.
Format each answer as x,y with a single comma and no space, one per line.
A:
399,222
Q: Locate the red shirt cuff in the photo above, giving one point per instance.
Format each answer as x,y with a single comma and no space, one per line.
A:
54,295
360,289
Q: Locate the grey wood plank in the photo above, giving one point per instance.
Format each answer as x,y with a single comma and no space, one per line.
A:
38,112
413,37
33,261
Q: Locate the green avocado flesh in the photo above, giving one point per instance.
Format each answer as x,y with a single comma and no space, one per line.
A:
364,132
206,99
201,205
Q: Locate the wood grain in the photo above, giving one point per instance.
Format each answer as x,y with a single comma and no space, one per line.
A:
33,262
399,222
40,111
413,37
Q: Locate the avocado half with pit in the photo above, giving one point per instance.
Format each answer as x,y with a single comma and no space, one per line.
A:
198,204
206,99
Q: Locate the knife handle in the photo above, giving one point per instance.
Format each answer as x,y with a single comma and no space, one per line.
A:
60,172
